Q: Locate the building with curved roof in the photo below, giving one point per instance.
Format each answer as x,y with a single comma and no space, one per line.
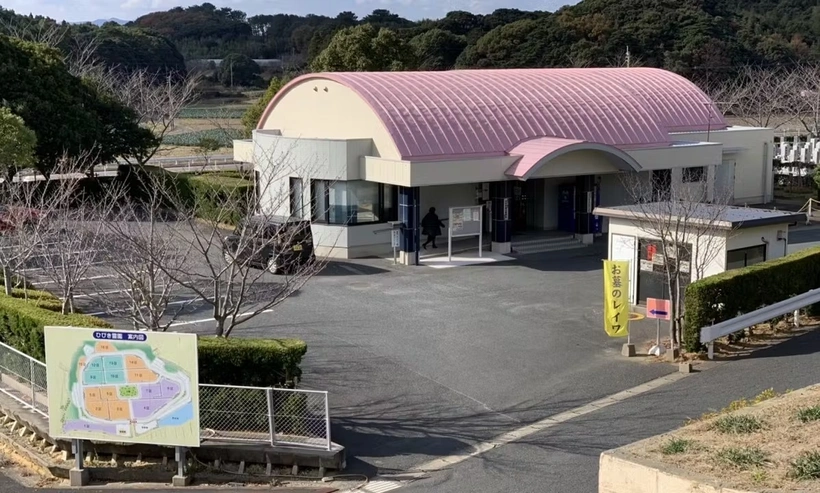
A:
356,148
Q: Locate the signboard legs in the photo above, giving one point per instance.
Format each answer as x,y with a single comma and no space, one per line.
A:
77,476
182,478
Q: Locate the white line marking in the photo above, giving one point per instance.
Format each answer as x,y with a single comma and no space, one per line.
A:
203,320
89,295
30,269
97,314
549,422
380,486
106,276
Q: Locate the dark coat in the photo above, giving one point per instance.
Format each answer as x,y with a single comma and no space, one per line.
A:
431,225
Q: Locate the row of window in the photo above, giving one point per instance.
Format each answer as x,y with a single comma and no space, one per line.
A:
344,202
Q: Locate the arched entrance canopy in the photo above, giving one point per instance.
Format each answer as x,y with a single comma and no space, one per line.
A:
535,153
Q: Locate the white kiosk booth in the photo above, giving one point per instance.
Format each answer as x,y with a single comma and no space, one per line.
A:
711,239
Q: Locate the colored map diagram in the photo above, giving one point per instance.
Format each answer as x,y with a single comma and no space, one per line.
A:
131,387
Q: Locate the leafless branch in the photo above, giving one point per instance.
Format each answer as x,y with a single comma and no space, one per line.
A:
266,259
804,96
143,250
759,97
684,217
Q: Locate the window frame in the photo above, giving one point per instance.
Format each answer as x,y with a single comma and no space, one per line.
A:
385,214
699,171
745,257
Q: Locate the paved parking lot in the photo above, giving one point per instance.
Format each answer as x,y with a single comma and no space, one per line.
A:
425,362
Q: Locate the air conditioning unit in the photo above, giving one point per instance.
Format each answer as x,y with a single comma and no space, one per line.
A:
781,235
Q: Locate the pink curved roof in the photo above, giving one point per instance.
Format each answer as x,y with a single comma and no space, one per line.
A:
433,115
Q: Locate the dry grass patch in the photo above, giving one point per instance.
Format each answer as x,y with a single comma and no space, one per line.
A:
770,441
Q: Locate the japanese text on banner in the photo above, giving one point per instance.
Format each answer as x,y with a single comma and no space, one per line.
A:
616,298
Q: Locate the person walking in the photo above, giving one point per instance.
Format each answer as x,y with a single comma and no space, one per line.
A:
431,227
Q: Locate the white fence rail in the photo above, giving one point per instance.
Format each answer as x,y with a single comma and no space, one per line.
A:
709,334
299,418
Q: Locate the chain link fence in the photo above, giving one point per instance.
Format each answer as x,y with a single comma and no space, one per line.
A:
279,416
23,378
227,413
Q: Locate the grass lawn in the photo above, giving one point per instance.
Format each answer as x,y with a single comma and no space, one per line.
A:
769,442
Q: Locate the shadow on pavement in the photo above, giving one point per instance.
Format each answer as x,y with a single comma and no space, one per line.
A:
798,345
335,268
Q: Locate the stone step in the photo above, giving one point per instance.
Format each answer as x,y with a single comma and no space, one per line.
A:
543,248
543,240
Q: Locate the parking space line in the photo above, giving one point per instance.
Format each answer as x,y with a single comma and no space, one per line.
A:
90,295
203,320
31,269
92,278
97,314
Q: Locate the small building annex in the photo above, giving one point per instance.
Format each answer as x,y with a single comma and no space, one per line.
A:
540,148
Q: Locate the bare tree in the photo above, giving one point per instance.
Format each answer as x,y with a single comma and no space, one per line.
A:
266,259
26,207
75,242
804,97
143,251
758,96
157,99
686,221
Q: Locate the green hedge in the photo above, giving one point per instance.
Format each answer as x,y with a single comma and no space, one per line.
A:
223,197
22,321
722,296
251,362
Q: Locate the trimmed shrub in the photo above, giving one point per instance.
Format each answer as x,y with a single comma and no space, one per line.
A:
22,321
722,296
223,197
251,362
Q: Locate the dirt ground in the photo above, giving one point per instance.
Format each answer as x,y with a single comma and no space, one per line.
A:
782,439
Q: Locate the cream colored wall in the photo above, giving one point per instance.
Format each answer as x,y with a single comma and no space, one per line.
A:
680,156
748,237
323,159
362,240
243,150
338,113
708,256
751,151
459,171
584,162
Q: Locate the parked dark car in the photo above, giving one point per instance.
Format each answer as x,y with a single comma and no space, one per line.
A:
278,244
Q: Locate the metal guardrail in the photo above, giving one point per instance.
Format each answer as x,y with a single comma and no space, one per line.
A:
709,334
229,413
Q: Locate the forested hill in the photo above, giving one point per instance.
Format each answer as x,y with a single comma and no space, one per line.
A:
691,37
682,35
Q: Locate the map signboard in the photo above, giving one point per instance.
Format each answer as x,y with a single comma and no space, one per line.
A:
123,386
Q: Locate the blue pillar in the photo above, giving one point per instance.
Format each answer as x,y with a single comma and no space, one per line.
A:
409,216
501,195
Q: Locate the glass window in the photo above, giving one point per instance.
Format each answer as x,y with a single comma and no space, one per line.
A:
744,257
694,175
353,202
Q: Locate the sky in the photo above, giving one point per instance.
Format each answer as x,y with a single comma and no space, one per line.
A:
89,10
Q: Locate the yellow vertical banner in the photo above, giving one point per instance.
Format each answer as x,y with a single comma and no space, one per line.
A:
616,298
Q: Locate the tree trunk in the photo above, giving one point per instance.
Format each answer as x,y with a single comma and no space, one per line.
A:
7,279
220,327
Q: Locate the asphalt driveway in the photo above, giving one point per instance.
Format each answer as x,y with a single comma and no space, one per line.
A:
423,362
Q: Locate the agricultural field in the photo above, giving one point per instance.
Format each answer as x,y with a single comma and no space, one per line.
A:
217,119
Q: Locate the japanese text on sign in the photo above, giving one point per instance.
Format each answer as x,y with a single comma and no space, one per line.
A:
616,298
